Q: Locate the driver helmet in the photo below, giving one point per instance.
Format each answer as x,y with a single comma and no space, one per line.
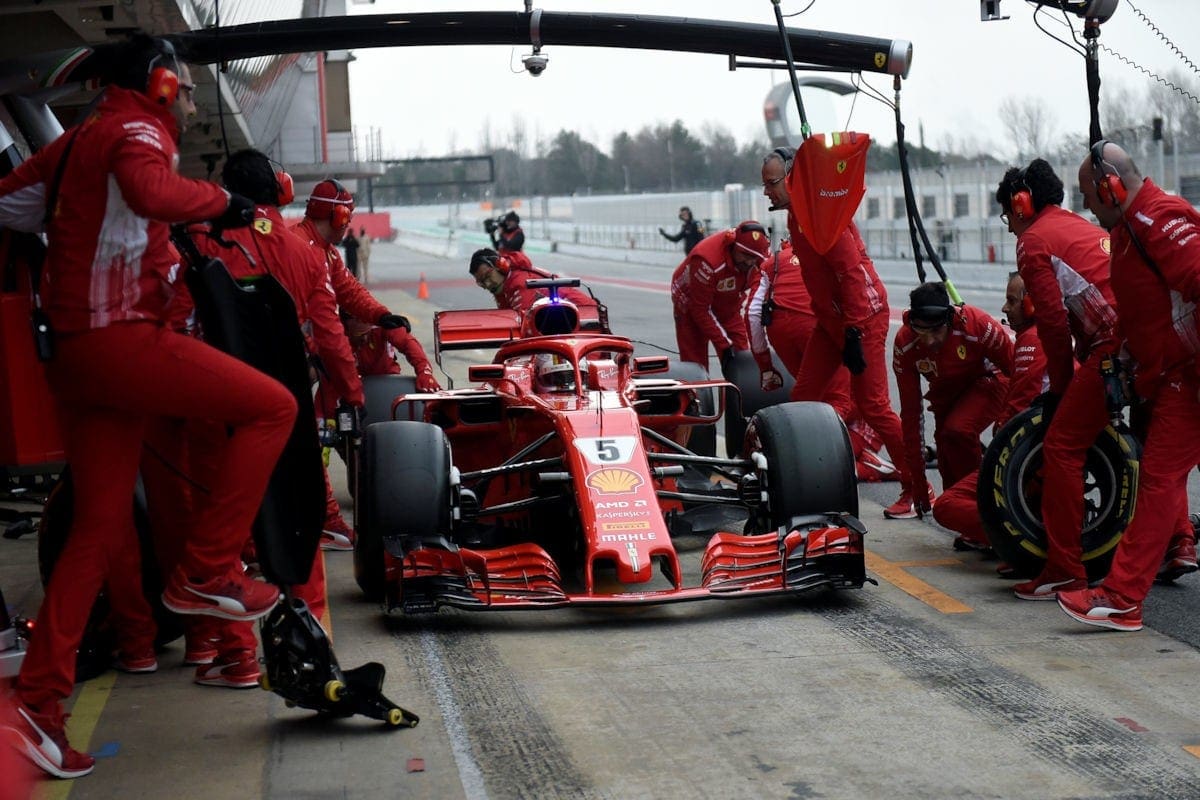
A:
555,374
550,316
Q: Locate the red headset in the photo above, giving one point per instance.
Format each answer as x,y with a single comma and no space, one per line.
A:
162,83
285,189
1022,198
1109,186
340,211
502,264
1027,306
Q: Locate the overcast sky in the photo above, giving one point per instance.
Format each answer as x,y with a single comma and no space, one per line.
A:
429,101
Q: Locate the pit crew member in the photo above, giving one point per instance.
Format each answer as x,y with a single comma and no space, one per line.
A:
1063,260
707,289
965,357
505,280
852,327
104,193
957,508
326,220
779,309
1156,280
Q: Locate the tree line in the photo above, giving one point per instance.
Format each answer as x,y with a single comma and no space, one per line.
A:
671,158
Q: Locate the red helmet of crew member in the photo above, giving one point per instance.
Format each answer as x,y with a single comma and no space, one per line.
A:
749,240
550,316
331,201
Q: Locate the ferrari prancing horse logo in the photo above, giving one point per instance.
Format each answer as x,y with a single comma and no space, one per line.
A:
880,60
841,167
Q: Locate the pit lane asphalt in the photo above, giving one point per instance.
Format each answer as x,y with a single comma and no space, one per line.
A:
887,691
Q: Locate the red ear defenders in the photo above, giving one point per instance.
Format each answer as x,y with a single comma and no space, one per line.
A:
1022,198
1109,186
1027,306
162,83
502,264
285,189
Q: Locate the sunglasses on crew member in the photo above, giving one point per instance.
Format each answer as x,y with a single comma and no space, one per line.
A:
1004,217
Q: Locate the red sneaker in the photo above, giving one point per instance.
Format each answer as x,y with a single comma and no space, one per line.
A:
1179,560
904,507
140,663
196,654
238,671
43,740
1043,588
337,535
230,596
1101,608
873,469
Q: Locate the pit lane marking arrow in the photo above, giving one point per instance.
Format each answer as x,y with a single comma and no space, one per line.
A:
894,573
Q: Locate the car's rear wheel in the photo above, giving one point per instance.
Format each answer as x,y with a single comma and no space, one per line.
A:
1010,494
748,398
405,492
703,438
810,465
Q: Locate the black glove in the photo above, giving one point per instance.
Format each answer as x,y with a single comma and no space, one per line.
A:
1047,402
727,357
852,352
393,321
238,214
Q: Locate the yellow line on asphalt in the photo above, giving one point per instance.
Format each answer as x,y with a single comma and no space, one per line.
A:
93,696
894,573
936,562
1194,749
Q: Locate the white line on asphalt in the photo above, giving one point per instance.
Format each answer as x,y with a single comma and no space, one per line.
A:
468,770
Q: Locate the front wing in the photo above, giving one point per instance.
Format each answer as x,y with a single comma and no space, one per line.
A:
817,551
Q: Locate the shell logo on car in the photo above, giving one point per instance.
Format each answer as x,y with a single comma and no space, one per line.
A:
614,480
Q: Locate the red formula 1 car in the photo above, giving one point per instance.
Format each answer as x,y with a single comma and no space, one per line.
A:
561,480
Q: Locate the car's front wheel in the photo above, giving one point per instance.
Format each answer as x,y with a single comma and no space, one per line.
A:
809,462
404,491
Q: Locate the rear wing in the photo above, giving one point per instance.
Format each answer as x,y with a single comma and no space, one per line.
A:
474,329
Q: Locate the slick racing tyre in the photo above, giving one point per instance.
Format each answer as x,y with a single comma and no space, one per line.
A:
810,466
378,391
1010,494
742,403
404,492
99,638
703,439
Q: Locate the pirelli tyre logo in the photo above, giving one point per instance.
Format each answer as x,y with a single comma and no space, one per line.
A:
643,525
614,480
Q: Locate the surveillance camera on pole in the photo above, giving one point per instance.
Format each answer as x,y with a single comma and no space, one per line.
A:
535,63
